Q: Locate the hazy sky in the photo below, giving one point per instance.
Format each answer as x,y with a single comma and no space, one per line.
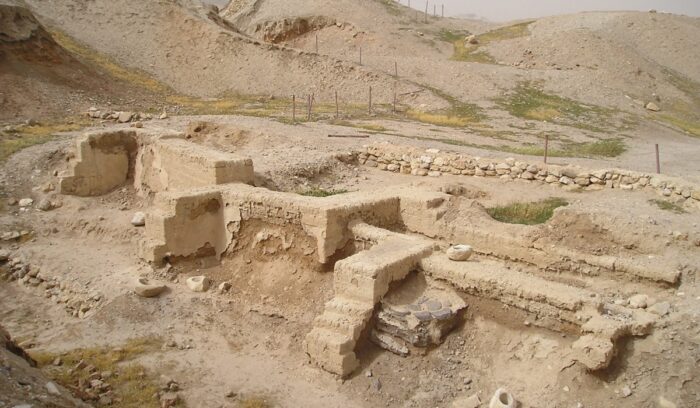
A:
501,10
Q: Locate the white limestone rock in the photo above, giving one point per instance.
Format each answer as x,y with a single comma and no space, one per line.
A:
125,117
198,283
139,219
460,253
638,301
502,399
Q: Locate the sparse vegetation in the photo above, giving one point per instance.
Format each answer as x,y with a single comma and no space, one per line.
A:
689,126
528,101
27,136
683,115
600,148
130,382
533,213
391,7
473,52
366,126
254,402
133,76
459,114
372,127
668,206
320,192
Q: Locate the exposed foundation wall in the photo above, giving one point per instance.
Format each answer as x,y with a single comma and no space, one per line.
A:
186,165
434,163
169,224
184,225
152,161
104,161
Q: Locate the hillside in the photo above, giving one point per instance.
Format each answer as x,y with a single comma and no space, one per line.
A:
39,78
615,61
188,48
582,80
346,203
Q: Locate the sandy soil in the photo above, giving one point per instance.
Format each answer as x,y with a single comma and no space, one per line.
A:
249,340
224,348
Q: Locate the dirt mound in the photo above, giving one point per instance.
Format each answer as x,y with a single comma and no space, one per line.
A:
180,45
576,230
39,78
640,55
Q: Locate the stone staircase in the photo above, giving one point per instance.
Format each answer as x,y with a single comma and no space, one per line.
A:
360,282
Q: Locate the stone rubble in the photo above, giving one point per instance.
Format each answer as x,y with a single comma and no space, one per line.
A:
638,301
76,302
120,116
432,162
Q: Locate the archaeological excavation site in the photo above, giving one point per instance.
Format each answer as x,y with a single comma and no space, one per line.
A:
368,203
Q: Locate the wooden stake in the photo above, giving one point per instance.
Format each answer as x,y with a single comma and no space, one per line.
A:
337,111
351,136
394,98
426,11
308,107
316,43
434,10
396,69
546,147
294,108
369,109
443,11
658,162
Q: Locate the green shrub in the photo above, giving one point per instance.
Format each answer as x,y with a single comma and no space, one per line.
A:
533,213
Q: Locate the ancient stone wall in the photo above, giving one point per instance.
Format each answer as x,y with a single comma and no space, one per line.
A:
187,165
435,163
324,219
153,162
103,163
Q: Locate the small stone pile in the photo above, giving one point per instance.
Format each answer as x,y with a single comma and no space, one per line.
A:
95,387
167,395
77,304
121,116
15,235
434,163
46,203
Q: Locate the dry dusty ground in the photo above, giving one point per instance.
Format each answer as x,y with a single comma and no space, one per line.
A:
578,79
248,341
